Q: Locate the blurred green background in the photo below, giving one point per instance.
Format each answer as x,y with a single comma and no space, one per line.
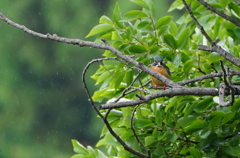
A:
42,101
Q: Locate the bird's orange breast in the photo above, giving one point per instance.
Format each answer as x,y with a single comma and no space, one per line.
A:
162,71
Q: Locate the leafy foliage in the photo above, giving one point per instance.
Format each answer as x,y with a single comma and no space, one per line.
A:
181,126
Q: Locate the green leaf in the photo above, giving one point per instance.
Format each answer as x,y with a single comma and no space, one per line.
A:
163,21
129,77
126,111
234,7
117,113
105,19
224,3
160,151
186,121
195,126
142,123
91,151
195,153
149,140
173,102
213,57
99,28
116,36
204,133
162,30
102,77
173,28
188,66
143,24
183,39
169,39
236,105
237,32
177,60
232,151
177,4
97,96
154,49
202,105
139,113
132,15
129,34
119,79
151,8
117,16
141,3
228,117
79,148
127,121
215,121
174,137
137,49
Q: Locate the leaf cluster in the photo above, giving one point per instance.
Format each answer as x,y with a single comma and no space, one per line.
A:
181,126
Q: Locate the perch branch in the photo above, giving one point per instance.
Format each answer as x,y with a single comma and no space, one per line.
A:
198,91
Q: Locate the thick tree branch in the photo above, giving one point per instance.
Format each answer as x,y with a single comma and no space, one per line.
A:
83,43
222,52
198,91
209,7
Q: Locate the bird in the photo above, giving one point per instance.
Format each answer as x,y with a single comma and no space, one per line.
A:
161,68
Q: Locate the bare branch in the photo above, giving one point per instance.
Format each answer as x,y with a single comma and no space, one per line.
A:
200,78
209,7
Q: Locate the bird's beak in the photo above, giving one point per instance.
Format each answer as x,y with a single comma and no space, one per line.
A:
159,64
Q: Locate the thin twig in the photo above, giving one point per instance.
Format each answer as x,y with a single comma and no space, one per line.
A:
126,147
197,23
222,88
139,88
134,132
129,87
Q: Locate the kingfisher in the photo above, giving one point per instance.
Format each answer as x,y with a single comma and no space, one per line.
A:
161,68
